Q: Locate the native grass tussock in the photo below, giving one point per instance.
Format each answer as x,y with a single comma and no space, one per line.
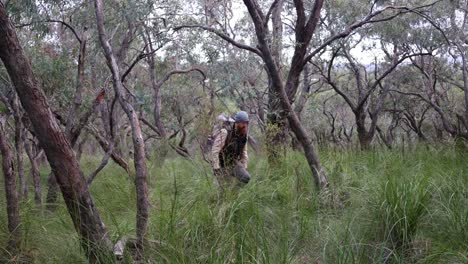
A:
384,207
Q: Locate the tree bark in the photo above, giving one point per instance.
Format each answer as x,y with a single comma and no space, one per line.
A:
19,146
87,221
304,31
365,137
156,89
11,193
141,180
277,125
33,156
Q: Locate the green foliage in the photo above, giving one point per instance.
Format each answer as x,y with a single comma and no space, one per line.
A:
384,206
403,203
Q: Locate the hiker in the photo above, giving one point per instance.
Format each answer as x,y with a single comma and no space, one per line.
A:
229,151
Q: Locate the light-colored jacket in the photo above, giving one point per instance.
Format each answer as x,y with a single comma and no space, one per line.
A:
218,144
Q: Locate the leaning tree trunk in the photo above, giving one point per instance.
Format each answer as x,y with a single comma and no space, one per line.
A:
11,193
141,179
305,30
86,219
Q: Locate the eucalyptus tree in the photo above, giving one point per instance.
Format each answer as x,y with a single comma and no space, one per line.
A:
86,219
141,179
366,96
414,113
442,34
443,84
457,40
305,27
371,84
441,95
62,29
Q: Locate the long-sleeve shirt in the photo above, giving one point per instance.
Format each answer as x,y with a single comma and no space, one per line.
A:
220,140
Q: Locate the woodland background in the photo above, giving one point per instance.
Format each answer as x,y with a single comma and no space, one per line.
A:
358,132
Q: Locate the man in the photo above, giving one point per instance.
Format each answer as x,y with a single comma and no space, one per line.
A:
229,152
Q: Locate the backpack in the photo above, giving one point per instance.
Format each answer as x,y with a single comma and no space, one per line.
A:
222,121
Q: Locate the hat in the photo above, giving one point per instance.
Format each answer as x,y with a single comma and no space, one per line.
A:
241,116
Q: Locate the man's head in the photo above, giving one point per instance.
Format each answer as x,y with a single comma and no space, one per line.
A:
241,122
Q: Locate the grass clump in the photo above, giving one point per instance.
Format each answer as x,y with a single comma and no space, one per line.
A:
384,206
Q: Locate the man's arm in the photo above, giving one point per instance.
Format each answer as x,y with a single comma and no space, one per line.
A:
218,144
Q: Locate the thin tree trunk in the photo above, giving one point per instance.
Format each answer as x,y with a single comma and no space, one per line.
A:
33,156
141,180
19,146
154,83
276,132
80,147
86,219
306,85
465,84
11,193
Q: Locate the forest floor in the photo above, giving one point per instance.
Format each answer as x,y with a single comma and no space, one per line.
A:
384,206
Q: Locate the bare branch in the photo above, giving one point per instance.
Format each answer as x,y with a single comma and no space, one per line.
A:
270,11
52,21
169,74
366,20
223,36
385,74
140,56
103,164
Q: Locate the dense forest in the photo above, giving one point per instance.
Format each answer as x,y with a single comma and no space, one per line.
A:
357,120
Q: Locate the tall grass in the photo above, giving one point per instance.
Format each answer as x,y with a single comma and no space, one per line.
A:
384,207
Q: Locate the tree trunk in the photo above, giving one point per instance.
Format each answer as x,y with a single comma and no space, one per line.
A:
304,32
19,146
465,84
11,193
364,137
276,132
156,88
141,180
86,219
33,156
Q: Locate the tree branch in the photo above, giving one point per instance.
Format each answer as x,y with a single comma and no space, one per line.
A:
169,74
103,164
223,36
387,72
52,21
364,21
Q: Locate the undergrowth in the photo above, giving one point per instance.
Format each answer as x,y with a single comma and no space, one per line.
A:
384,206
